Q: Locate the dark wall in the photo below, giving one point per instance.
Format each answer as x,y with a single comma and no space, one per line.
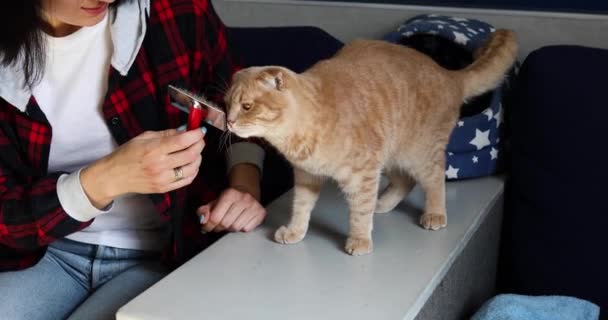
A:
584,6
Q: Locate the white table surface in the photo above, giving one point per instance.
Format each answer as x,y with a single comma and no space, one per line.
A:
249,276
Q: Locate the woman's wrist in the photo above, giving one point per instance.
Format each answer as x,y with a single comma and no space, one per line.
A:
246,177
98,185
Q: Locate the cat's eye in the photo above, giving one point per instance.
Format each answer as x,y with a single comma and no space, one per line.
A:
246,106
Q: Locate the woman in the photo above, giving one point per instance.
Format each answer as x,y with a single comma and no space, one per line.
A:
95,186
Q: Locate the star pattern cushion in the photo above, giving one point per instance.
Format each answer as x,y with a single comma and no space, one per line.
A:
475,146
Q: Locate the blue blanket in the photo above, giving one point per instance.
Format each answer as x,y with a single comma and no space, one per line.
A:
519,307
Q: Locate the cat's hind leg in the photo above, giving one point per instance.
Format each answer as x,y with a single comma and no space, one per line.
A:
430,173
400,184
361,190
306,192
432,179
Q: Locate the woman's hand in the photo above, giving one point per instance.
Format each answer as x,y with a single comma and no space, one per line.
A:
234,210
149,163
238,208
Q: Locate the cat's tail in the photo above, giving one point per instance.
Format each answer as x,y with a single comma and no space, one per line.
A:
492,62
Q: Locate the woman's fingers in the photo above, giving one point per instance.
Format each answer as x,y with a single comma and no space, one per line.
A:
184,157
204,212
236,210
180,141
255,221
148,163
187,160
218,211
252,212
189,172
157,134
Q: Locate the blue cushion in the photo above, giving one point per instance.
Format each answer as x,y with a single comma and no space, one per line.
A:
475,146
556,215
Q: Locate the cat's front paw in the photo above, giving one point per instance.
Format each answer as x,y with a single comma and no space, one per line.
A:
287,235
433,221
358,246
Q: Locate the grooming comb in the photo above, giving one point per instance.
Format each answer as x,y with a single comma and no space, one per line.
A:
198,109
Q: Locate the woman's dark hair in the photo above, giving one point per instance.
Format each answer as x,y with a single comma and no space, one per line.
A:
21,23
20,33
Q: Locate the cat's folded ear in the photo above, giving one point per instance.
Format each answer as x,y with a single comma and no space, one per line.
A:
273,78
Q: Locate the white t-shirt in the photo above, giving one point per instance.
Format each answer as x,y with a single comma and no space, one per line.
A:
71,95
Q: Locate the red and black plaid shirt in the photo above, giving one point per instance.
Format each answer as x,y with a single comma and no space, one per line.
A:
185,45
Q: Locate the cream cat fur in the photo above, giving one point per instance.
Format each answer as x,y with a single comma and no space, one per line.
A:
374,107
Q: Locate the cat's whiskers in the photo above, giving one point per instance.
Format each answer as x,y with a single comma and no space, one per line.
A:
222,89
226,142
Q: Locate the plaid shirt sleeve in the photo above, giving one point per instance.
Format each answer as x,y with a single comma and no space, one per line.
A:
30,213
212,41
186,34
213,61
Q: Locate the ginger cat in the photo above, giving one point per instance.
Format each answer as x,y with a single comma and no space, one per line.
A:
373,108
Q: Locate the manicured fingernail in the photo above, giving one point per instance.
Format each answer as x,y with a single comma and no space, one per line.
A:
209,121
202,218
181,128
204,130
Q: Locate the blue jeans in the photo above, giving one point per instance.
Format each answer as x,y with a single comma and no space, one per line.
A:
78,281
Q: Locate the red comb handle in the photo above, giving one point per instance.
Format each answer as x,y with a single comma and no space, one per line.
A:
195,117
